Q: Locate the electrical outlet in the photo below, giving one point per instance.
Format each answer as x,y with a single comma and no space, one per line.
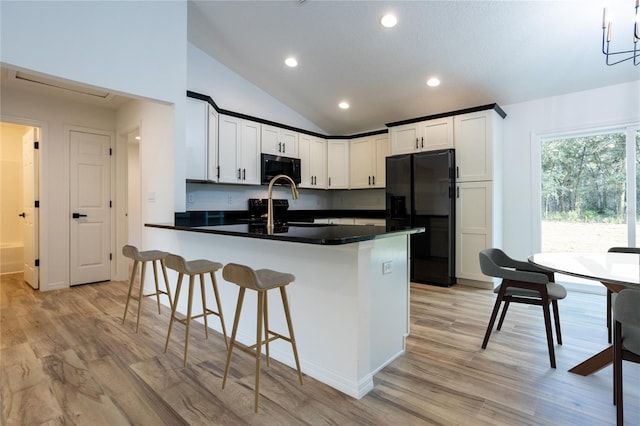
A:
387,267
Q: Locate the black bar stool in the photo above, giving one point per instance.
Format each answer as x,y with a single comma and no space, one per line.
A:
261,281
143,257
192,268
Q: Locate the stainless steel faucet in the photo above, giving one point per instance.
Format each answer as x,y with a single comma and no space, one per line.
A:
294,193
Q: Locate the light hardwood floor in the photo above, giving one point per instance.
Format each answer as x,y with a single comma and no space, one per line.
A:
65,358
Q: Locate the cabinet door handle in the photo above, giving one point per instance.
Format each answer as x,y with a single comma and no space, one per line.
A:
329,180
373,179
315,180
244,174
279,146
417,143
422,139
218,172
284,148
239,174
457,172
369,180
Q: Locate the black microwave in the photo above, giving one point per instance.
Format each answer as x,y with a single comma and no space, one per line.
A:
274,165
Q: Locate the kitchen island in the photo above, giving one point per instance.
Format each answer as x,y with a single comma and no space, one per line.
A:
349,302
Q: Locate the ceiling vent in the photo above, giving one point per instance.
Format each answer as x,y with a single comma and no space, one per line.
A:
57,84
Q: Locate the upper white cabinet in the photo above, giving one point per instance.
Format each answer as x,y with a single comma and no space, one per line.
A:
313,161
279,141
476,135
426,135
201,141
239,151
367,161
337,164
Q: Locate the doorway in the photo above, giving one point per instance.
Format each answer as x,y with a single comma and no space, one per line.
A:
19,180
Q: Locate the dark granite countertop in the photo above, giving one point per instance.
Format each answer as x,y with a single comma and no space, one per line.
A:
307,233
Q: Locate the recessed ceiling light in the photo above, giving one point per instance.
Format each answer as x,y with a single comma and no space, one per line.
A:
137,138
344,105
389,21
291,62
433,82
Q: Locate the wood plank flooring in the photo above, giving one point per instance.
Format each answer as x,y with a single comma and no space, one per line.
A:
65,358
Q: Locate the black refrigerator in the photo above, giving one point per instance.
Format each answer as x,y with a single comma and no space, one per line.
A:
421,193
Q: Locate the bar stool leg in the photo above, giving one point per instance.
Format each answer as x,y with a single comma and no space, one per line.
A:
204,306
174,307
188,321
259,332
155,281
292,338
133,275
266,325
232,343
166,281
215,292
140,296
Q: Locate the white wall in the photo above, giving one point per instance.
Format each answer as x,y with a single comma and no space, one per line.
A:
53,115
618,104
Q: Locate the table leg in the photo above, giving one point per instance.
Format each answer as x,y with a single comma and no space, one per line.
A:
595,363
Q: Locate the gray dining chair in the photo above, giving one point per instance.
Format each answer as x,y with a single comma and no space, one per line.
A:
626,341
616,287
522,282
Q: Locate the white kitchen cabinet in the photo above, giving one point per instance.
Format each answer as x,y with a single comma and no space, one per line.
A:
239,150
374,222
337,164
279,141
201,142
367,161
478,138
313,161
428,135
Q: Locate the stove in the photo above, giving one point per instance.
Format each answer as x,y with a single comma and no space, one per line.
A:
258,210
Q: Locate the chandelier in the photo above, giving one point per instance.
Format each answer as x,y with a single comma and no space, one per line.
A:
613,58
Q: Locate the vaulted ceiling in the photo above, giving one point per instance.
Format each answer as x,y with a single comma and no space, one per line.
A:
482,51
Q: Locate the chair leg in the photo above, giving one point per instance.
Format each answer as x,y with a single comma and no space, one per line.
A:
133,275
155,281
617,373
204,306
609,319
166,281
556,315
292,339
219,305
236,321
188,319
504,314
492,320
547,325
141,294
174,308
259,331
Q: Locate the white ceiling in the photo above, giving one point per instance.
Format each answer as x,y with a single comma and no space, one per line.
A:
483,51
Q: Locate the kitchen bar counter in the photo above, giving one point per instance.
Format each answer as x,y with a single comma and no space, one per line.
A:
303,232
349,302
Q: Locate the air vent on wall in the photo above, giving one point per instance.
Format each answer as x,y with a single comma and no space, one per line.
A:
83,90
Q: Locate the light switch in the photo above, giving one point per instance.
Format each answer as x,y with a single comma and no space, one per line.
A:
387,267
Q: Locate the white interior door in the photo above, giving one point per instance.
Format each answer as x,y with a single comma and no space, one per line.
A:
90,215
29,212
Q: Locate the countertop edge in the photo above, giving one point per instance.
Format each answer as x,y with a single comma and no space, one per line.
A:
276,237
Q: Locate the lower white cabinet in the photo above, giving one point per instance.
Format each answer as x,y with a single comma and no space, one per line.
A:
477,228
313,161
337,164
238,150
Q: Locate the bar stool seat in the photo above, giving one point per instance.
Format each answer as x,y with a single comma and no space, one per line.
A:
261,281
192,268
143,257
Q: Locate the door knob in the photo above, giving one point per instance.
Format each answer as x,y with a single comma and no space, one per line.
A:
23,214
78,215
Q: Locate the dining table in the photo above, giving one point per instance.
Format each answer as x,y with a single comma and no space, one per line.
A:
616,271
